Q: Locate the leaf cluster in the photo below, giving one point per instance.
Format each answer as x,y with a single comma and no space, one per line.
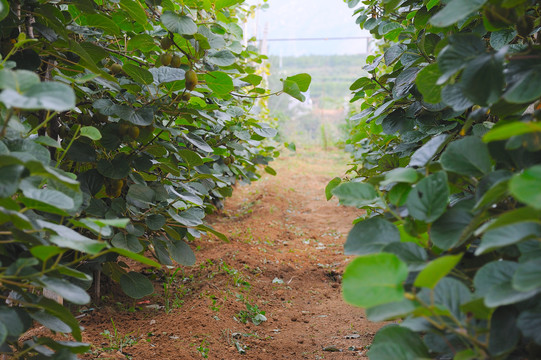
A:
122,124
447,164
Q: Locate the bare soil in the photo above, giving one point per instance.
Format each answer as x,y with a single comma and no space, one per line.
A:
285,258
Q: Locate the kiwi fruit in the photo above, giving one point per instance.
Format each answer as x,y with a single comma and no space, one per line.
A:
186,97
123,129
115,68
175,61
113,187
166,42
166,58
133,131
227,161
191,79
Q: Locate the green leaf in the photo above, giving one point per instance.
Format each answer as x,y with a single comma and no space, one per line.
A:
371,236
155,221
373,280
397,343
90,132
265,130
426,83
292,89
468,156
143,42
71,239
527,277
426,152
183,25
4,11
252,79
404,82
483,80
525,186
20,80
390,311
505,294
222,58
47,95
45,252
506,131
127,242
16,321
455,11
219,82
428,200
198,142
507,235
47,141
103,22
139,74
50,321
500,38
9,179
220,4
411,253
436,270
136,285
355,194
136,257
181,253
529,322
270,170
493,274
526,87
331,186
135,10
400,175
449,294
118,168
66,289
447,231
523,214
141,196
302,80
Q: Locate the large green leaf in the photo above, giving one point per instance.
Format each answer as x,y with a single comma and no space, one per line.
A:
426,152
138,73
468,156
103,22
390,311
355,194
527,276
46,95
66,289
373,280
529,322
135,10
292,89
410,253
397,343
455,11
9,179
136,285
4,11
181,253
526,88
447,231
222,58
127,242
506,131
483,80
302,80
525,186
219,82
508,235
371,236
428,200
504,334
436,270
180,24
426,83
449,294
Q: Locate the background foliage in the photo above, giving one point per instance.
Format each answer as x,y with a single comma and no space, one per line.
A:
447,164
123,122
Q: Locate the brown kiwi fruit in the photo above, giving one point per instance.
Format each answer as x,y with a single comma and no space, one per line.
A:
186,97
175,61
166,58
113,187
227,161
133,131
166,42
115,68
123,129
191,79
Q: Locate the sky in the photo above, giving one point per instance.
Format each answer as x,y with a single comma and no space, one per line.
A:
291,19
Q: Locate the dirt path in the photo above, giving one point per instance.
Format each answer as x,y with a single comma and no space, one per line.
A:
285,259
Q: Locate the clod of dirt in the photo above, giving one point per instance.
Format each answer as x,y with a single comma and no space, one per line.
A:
331,348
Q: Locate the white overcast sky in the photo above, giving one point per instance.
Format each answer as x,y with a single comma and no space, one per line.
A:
308,19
